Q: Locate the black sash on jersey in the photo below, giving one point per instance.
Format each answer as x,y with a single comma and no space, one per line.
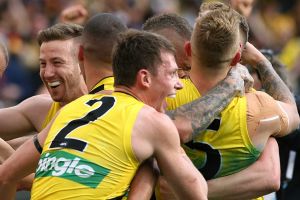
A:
97,89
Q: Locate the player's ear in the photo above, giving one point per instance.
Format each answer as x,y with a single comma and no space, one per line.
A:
236,59
188,48
144,78
80,53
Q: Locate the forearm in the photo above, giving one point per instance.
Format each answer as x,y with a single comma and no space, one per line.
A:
17,142
248,187
261,178
5,150
26,158
272,83
8,191
199,113
142,186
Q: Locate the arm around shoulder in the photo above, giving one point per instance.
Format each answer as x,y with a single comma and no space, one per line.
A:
260,178
27,117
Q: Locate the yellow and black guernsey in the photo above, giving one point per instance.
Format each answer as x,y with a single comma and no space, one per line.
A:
106,83
88,152
225,147
55,106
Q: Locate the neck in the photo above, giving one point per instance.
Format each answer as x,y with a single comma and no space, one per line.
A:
206,78
140,95
130,91
95,73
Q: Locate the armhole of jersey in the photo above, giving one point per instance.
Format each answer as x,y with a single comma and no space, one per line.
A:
49,115
128,132
244,128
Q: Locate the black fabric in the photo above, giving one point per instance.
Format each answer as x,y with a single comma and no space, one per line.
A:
97,89
37,144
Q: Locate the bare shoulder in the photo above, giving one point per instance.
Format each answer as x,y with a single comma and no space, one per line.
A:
35,108
41,102
158,124
152,132
258,95
259,101
266,115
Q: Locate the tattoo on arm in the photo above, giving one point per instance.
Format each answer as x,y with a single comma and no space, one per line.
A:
201,112
272,83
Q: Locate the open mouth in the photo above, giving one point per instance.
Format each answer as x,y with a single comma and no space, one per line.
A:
172,95
54,84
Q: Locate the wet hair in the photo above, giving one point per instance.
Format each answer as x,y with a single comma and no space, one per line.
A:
136,50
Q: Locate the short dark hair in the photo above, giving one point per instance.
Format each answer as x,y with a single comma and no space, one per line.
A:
169,21
60,31
136,50
100,33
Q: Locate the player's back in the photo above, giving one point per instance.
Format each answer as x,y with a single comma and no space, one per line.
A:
88,152
225,147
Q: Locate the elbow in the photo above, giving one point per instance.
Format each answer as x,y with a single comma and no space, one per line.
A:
273,182
295,122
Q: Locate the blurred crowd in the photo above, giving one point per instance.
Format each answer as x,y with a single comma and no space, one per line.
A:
274,25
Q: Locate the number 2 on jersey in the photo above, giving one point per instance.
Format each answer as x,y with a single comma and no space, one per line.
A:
62,141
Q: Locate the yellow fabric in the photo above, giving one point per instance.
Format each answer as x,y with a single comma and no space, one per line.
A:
231,140
230,144
108,83
290,53
107,164
55,106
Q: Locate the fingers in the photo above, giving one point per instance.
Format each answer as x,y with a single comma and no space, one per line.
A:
75,14
252,55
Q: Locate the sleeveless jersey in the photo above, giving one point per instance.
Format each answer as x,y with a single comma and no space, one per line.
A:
88,152
225,147
105,84
55,106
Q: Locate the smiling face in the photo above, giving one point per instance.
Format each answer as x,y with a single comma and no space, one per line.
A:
59,69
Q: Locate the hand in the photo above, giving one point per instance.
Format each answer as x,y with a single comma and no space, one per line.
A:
242,79
252,56
75,14
246,76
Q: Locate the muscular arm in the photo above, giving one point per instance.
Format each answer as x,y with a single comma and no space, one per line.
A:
5,150
272,84
261,178
194,117
155,135
24,118
26,158
143,183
